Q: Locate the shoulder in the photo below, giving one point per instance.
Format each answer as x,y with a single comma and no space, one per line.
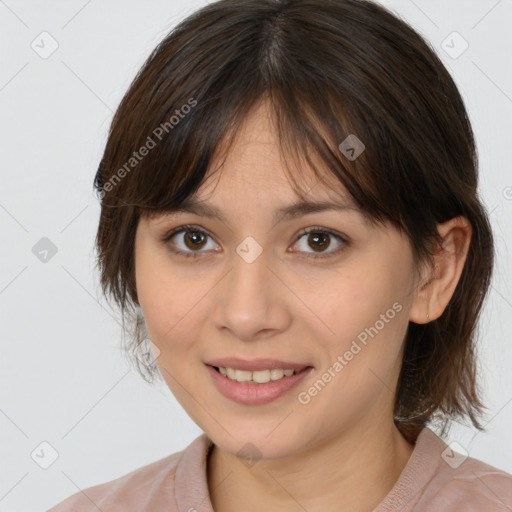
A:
440,478
131,492
472,486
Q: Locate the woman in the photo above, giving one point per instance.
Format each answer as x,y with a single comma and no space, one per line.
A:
290,215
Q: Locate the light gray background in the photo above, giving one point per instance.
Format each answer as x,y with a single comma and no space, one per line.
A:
63,378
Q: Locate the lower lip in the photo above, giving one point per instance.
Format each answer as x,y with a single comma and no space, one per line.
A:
256,394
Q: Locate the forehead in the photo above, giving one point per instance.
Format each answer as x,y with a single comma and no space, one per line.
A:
252,175
260,187
254,198
256,162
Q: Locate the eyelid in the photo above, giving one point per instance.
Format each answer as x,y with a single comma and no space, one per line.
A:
186,227
312,229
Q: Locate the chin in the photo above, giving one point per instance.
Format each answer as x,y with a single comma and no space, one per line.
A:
257,443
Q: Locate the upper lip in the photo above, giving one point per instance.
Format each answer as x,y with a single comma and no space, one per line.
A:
255,364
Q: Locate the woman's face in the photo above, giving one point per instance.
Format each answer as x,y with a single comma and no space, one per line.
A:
252,288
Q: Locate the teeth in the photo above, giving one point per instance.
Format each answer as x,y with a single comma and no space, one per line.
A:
259,377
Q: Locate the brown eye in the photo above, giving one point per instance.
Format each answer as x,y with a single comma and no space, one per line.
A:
319,240
194,239
187,241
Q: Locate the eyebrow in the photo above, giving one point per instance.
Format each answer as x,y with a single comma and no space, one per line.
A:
291,211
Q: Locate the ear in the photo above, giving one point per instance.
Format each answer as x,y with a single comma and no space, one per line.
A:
438,283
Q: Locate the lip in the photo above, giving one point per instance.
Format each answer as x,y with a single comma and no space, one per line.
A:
255,364
256,394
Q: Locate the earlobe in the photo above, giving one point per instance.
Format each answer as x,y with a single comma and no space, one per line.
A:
420,312
438,286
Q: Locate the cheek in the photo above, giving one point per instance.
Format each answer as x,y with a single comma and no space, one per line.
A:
170,301
366,313
157,292
368,320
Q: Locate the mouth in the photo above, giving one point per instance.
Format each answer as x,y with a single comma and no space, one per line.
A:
256,387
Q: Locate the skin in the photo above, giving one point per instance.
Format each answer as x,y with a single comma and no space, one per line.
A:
341,451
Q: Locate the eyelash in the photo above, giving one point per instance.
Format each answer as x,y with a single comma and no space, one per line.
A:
314,229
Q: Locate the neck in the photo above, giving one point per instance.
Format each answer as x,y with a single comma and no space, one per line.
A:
357,469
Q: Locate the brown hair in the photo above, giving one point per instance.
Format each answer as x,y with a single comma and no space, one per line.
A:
329,68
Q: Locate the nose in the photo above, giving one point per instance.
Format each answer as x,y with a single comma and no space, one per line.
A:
251,300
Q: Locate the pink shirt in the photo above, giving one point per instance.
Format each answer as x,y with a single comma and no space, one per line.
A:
435,479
